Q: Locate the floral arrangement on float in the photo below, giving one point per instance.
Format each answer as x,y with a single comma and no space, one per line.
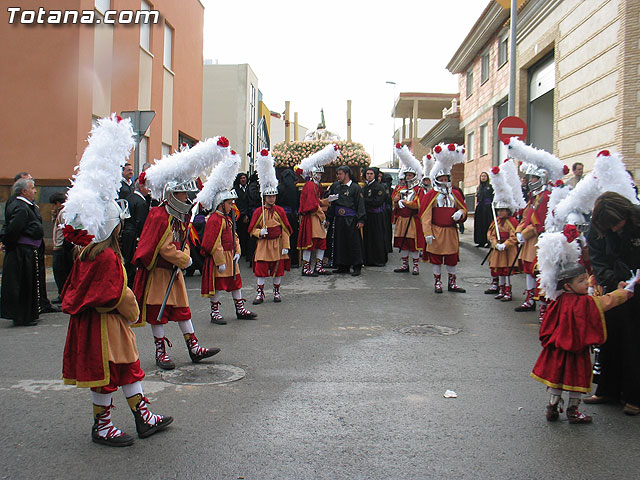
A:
287,155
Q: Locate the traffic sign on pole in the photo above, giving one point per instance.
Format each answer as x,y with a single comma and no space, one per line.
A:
512,127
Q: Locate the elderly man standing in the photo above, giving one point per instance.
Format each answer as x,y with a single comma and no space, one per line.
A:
21,236
126,184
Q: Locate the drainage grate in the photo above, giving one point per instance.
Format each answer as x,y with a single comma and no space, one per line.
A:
429,330
202,374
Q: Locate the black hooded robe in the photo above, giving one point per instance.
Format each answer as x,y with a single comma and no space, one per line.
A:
289,200
344,214
374,232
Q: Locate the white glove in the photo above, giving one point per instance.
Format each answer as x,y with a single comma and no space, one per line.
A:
222,268
285,251
632,281
236,257
190,262
520,238
401,203
333,197
500,247
429,239
458,215
264,232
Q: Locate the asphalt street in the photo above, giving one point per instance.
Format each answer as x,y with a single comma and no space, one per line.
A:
340,380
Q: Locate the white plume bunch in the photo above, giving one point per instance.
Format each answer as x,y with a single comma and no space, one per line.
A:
446,156
540,158
553,223
427,164
220,179
555,253
185,165
611,175
502,192
266,172
513,179
407,159
581,199
97,181
321,158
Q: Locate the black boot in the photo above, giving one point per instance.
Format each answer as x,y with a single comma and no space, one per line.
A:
147,422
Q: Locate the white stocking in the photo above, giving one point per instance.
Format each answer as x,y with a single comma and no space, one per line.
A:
451,269
132,389
216,297
415,255
237,294
507,280
102,399
306,255
277,280
502,280
186,326
260,281
404,253
437,269
158,331
319,254
577,395
531,282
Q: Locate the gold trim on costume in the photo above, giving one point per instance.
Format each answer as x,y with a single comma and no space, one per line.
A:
560,386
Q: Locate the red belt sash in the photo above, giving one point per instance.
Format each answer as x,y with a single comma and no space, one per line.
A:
442,216
274,232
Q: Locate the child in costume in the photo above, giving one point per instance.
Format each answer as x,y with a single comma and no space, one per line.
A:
504,242
220,242
269,224
100,350
163,246
573,322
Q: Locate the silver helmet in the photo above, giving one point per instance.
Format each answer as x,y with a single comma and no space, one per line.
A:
414,181
116,212
175,207
442,187
224,195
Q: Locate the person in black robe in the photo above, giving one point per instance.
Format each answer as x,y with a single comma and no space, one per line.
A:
289,200
22,238
347,214
614,251
387,181
254,201
483,215
139,202
374,194
241,186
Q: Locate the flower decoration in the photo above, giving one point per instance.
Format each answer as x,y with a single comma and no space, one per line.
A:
288,155
437,149
565,169
142,178
495,170
77,237
570,232
223,142
452,147
604,153
559,183
264,152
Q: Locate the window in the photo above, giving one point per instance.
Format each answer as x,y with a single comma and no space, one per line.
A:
166,150
484,139
484,75
145,29
469,82
469,146
102,5
503,50
168,46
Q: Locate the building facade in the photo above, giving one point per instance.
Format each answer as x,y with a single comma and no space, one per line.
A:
577,84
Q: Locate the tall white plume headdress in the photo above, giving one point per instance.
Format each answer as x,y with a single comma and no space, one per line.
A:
504,180
318,160
185,165
90,211
266,173
446,156
552,222
217,188
558,259
535,161
410,163
612,176
427,164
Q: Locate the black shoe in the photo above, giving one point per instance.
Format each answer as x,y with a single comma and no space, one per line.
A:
50,309
57,301
123,440
32,323
341,270
219,321
356,271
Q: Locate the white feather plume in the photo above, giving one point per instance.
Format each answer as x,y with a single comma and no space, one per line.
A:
427,164
540,158
97,181
446,156
581,199
502,192
220,179
513,179
408,160
266,172
555,254
185,165
612,176
552,222
322,157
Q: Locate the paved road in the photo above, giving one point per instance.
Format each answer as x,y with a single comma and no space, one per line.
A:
333,389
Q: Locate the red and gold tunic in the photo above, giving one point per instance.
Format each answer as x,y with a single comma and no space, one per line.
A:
570,326
437,221
408,220
532,225
312,234
99,336
503,259
219,245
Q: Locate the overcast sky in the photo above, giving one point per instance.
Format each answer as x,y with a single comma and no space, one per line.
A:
319,54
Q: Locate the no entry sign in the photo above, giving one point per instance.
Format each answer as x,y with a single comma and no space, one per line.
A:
512,127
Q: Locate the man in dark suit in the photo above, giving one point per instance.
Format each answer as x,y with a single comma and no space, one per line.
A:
139,202
126,184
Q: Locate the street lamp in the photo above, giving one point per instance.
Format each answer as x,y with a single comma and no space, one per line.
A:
393,120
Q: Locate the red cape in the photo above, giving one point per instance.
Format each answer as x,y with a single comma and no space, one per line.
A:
280,214
570,326
210,241
535,212
93,288
156,229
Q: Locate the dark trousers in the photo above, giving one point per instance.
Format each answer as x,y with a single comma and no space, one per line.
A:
61,269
